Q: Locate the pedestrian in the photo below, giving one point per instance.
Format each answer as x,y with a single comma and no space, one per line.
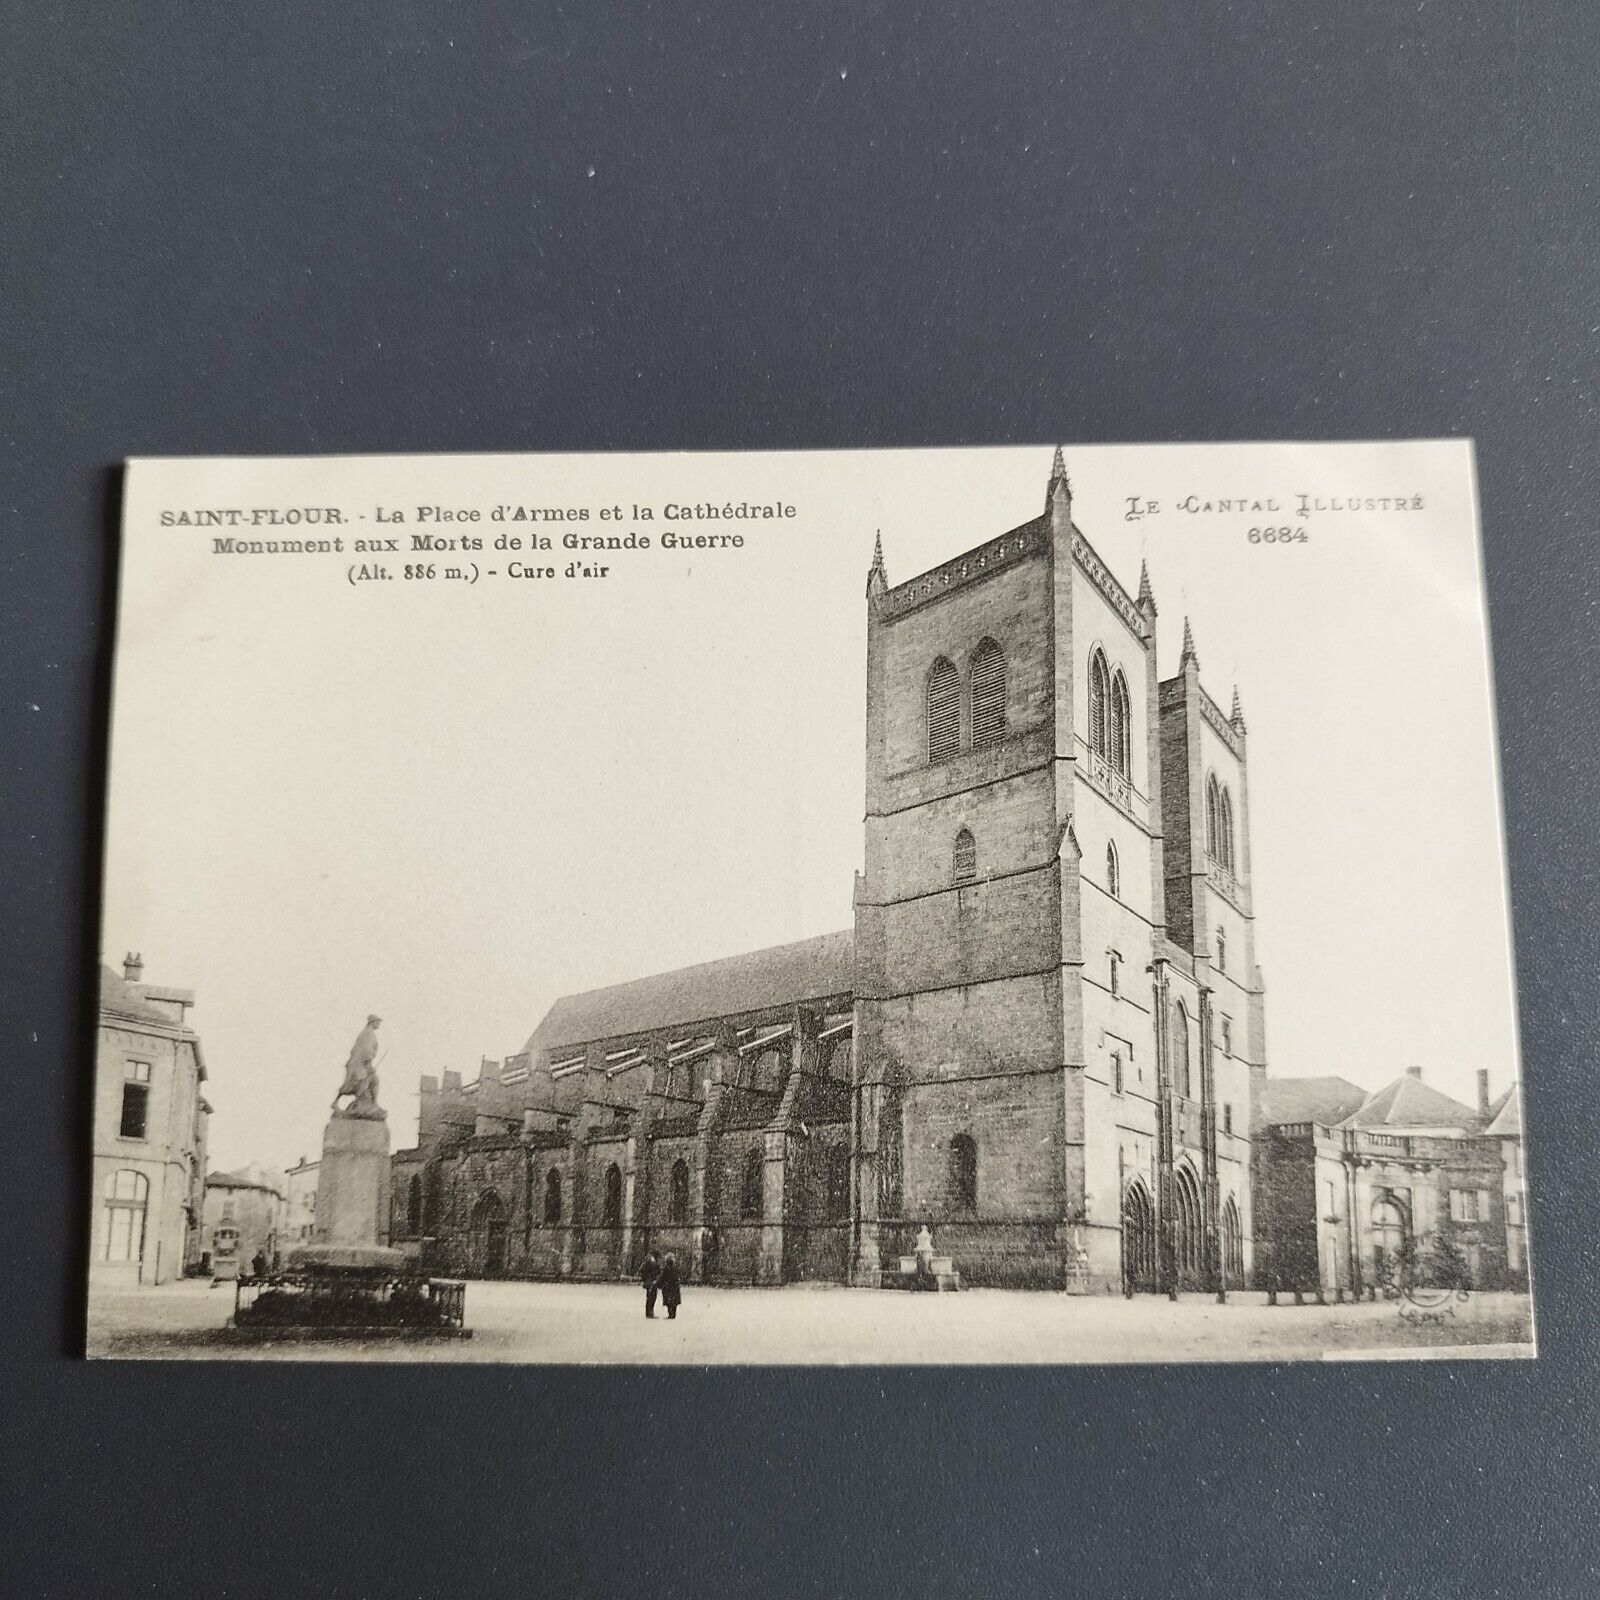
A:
650,1277
258,1264
671,1287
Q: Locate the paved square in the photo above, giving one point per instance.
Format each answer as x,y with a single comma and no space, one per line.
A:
605,1323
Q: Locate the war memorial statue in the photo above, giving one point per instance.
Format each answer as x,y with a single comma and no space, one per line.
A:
361,1075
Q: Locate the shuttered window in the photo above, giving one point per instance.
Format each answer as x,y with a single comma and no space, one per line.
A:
988,694
1099,704
944,711
1119,741
965,868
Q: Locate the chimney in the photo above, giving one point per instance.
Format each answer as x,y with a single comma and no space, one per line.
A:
133,966
1414,1072
1483,1091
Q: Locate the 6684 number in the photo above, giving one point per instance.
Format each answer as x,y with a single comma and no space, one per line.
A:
1278,536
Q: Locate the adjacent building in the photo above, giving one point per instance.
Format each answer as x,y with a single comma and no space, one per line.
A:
301,1189
150,1122
246,1214
1360,1194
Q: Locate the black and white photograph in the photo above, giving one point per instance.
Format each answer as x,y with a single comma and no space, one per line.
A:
1026,905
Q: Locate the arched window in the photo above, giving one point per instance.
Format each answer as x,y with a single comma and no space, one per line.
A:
1213,819
1222,951
964,867
763,1071
552,1196
964,1172
414,1205
1099,705
944,711
678,1195
988,679
1180,1050
1225,829
432,1199
611,1216
1113,872
126,1194
750,1191
1118,741
838,1184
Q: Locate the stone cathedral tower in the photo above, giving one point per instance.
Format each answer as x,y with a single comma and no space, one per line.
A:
1058,1010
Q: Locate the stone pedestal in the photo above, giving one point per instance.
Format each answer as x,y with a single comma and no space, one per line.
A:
352,1228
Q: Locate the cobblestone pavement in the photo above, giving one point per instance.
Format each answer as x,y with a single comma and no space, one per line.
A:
589,1323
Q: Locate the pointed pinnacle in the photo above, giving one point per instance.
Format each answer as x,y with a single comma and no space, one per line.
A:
1189,653
877,549
1146,593
1236,716
1058,475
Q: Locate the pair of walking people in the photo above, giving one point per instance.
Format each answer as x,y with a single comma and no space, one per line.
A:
660,1277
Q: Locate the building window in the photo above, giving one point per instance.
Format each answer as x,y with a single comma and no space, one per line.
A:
965,864
228,1212
944,711
964,1172
135,1100
750,1192
1222,951
1116,1072
1333,1203
838,1184
1113,872
988,679
611,1216
1118,743
1115,963
126,1194
552,1196
1227,1037
1099,705
1219,823
1227,1118
1180,1050
678,1194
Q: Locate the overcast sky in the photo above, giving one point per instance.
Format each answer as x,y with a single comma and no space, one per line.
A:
450,803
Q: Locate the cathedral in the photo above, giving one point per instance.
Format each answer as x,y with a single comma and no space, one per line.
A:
1042,1039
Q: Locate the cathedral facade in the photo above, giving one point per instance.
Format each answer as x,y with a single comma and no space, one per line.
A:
1041,1039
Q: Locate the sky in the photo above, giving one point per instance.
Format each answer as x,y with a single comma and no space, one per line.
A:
450,802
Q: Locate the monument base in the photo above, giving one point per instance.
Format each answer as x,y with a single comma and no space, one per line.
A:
353,1182
374,1260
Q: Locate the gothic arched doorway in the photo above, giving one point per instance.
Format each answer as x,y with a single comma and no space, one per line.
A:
1232,1247
1139,1275
489,1235
1188,1230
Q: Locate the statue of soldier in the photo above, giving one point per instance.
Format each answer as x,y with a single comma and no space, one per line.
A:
361,1075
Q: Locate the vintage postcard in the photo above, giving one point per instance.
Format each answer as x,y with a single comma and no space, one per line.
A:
938,906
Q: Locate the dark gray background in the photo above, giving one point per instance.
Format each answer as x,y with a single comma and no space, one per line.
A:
395,226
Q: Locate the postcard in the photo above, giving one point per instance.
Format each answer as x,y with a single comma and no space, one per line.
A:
1024,905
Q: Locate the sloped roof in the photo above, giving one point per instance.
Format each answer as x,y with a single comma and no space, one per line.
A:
1409,1103
253,1176
786,973
120,998
1505,1116
1324,1100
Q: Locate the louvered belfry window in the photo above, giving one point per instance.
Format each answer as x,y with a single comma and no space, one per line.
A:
944,711
1099,705
965,866
988,694
1119,740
